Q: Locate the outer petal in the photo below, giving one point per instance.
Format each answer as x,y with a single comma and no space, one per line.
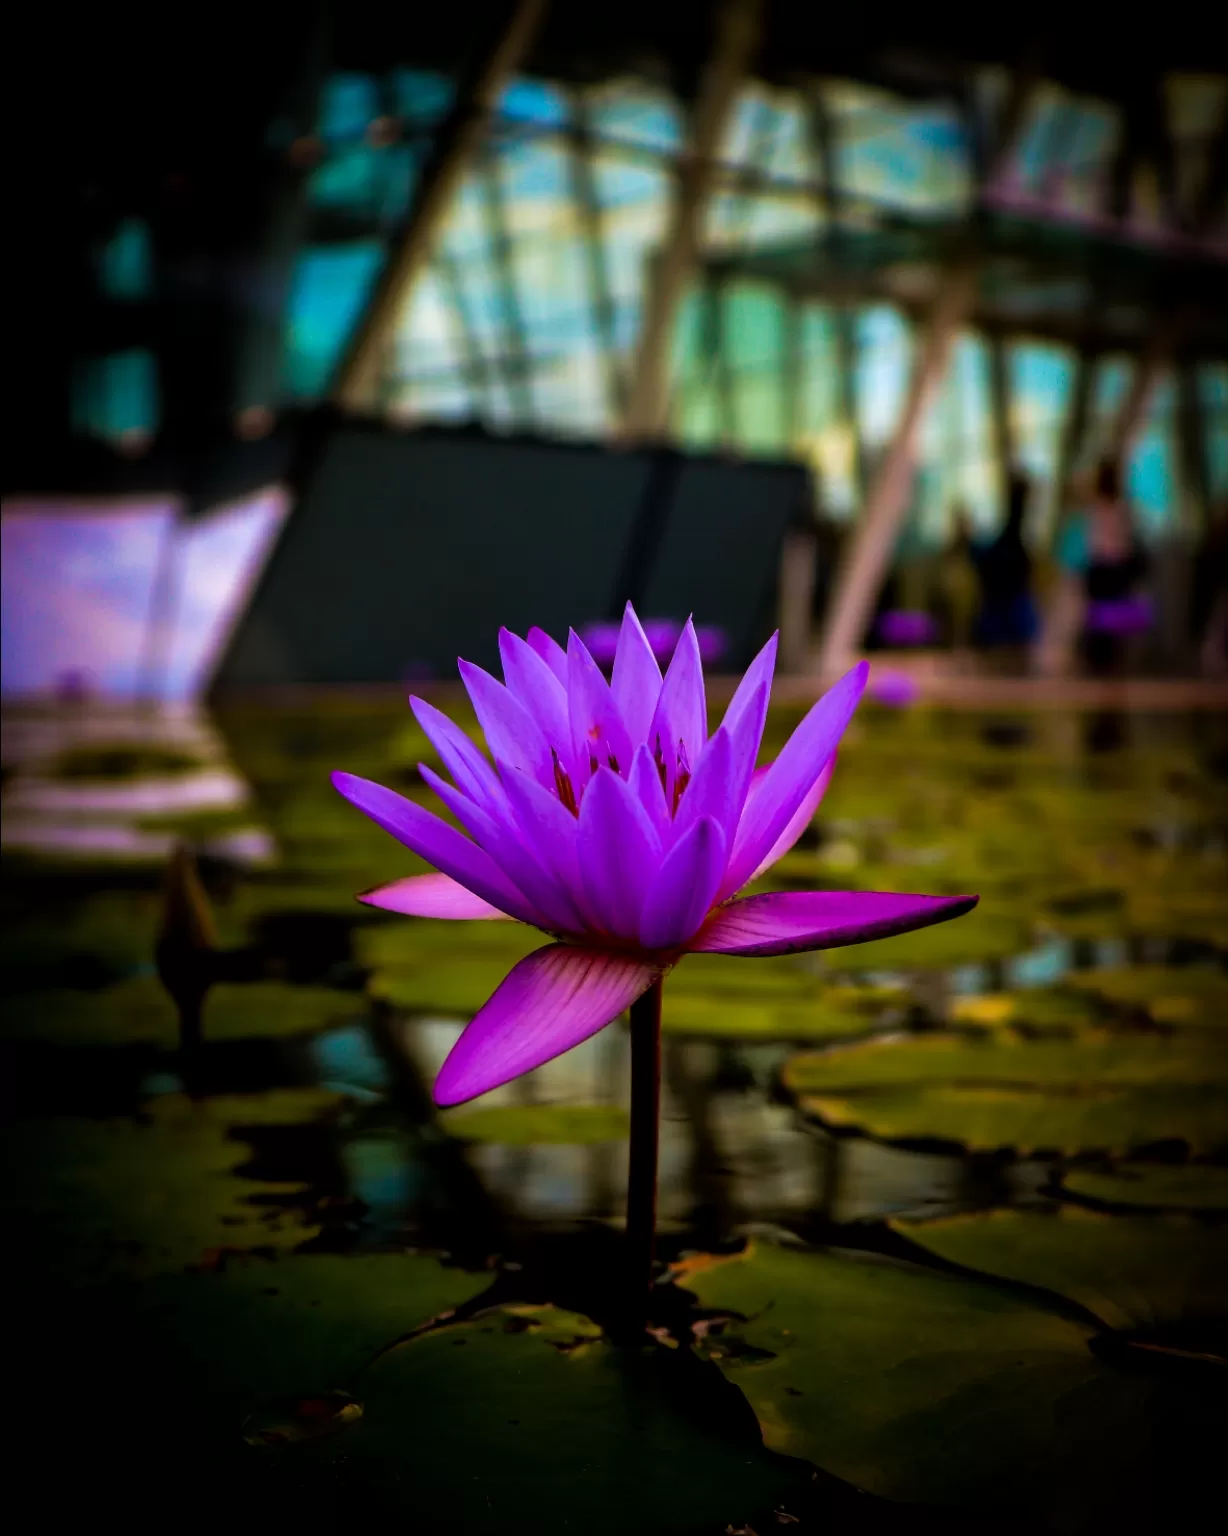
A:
759,674
597,729
429,896
784,787
553,999
470,770
550,651
636,679
802,818
439,844
620,854
530,679
682,893
500,838
680,721
787,922
512,734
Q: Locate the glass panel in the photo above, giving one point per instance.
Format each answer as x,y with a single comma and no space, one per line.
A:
1213,395
329,287
1151,470
1041,378
116,397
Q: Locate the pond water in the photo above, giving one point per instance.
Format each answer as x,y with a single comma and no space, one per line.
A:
942,1218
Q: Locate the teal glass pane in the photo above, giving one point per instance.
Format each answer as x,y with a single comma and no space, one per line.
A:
125,267
420,96
1110,384
884,356
697,416
534,101
367,181
329,287
348,105
116,397
893,153
824,439
1151,469
1041,378
635,113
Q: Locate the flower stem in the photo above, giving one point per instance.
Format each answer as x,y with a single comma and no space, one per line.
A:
642,1172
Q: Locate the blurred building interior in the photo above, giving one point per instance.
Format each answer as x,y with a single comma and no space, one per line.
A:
913,257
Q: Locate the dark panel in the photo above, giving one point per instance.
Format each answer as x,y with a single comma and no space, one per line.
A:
406,551
719,551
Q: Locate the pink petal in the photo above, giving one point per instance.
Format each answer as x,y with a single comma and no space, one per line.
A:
597,729
647,788
784,788
620,854
636,679
511,732
683,890
530,679
551,1000
429,896
550,651
712,792
437,843
802,818
498,836
469,769
550,828
786,922
680,722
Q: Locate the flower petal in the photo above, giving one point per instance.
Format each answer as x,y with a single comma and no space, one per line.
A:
782,790
646,786
620,854
745,699
786,922
550,828
551,1000
499,837
636,679
511,732
460,756
802,818
550,651
530,679
680,722
597,730
429,896
683,890
437,843
712,791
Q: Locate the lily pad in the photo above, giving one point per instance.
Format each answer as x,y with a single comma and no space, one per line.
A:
929,1387
1095,1092
527,1419
1179,996
1134,1273
538,1124
162,1193
1156,1186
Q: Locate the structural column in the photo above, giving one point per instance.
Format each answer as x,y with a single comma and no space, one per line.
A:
478,91
737,32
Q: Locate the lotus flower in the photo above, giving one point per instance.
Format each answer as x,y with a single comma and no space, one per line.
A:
613,822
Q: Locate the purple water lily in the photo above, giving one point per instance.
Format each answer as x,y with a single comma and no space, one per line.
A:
612,821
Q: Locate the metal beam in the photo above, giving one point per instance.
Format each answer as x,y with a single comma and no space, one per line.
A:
869,549
478,90
1000,413
867,553
737,32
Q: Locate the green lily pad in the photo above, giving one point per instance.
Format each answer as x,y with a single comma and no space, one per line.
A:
529,1420
139,1011
538,1124
1157,1186
1109,1093
143,1197
1180,996
929,1387
1134,1273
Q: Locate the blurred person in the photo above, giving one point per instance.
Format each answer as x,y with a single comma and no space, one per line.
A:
1101,547
1007,620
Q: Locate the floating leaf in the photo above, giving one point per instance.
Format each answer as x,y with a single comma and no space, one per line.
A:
538,1124
1158,1186
930,1387
1092,1092
1142,1273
